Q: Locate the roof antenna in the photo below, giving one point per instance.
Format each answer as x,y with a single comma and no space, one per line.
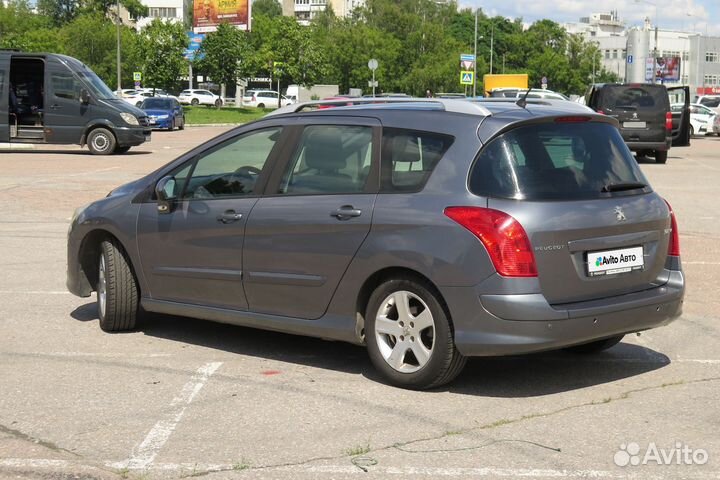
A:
523,101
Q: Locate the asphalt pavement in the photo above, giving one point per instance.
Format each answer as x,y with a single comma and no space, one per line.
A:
182,397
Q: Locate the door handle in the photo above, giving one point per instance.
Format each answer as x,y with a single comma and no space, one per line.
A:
229,216
346,212
54,106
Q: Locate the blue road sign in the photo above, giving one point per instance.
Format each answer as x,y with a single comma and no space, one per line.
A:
467,57
629,58
191,53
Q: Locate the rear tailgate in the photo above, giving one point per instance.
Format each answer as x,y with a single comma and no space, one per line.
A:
640,110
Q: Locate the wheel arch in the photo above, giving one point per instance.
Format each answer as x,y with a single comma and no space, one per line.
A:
383,275
89,252
94,126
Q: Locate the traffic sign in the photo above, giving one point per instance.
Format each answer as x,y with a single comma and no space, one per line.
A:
373,64
467,57
544,80
137,76
372,83
630,59
466,78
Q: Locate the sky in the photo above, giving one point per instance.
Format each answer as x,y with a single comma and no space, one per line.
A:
686,15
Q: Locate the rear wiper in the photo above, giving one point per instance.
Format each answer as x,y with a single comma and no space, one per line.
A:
619,187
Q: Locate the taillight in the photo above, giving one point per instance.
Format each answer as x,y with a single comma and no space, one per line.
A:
503,237
668,121
674,246
601,112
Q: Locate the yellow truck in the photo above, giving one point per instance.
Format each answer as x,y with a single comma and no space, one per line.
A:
511,80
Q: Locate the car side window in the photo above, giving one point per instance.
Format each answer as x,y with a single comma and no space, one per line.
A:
409,157
329,159
65,85
233,167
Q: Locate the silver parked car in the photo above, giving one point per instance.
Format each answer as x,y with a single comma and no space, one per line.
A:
428,230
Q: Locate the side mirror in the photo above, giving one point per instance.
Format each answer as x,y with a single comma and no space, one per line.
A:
165,191
84,97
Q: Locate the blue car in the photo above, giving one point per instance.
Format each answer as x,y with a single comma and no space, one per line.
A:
164,113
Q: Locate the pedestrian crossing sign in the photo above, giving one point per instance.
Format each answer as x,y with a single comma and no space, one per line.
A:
467,77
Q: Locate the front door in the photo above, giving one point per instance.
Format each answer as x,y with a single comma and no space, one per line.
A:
64,115
317,211
681,118
193,254
4,97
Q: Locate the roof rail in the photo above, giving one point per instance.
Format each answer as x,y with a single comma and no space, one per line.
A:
446,104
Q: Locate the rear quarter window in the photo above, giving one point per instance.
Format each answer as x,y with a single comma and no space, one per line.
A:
409,157
554,161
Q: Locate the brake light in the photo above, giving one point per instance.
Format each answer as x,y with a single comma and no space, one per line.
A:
601,112
674,246
668,121
504,238
576,119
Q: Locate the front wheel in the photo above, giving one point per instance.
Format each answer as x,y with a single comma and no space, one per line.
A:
117,291
171,127
409,337
218,103
595,347
101,141
661,156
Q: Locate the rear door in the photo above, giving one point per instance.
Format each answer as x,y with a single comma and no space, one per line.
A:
317,211
681,118
575,188
4,97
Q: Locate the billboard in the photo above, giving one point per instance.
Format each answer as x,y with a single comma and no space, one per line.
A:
667,69
208,14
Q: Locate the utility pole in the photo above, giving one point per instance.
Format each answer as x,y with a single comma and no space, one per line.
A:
119,76
475,56
492,38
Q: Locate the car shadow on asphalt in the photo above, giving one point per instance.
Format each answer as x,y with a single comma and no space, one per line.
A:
518,376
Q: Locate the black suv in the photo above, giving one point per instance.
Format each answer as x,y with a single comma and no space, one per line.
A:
643,110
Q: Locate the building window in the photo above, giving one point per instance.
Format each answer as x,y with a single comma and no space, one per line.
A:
624,54
163,12
685,56
711,80
607,54
711,57
615,54
685,79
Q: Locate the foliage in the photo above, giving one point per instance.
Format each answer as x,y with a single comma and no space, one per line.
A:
266,8
225,54
417,44
160,48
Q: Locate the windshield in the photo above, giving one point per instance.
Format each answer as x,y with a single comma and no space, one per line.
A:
555,161
157,103
96,86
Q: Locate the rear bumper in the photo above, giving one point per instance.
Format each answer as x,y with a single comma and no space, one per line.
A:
639,146
487,325
132,136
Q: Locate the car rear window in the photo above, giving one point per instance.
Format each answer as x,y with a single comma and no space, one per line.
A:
409,157
555,161
710,102
634,97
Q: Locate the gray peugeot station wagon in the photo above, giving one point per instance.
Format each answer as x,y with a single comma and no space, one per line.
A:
429,231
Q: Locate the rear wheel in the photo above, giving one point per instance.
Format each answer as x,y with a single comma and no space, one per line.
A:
661,156
182,124
117,292
409,337
101,141
261,105
194,102
692,131
595,347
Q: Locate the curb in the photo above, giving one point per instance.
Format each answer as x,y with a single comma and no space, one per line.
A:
17,146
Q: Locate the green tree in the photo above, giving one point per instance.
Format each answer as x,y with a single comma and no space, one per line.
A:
226,52
59,12
109,7
161,46
267,8
16,20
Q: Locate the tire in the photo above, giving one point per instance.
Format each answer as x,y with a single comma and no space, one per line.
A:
137,104
388,347
218,103
661,156
194,102
595,347
260,105
182,124
172,125
121,150
101,141
117,290
692,131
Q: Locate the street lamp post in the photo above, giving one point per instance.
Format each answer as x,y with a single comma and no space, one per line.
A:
475,57
654,75
119,76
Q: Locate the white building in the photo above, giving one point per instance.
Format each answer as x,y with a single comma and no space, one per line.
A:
169,10
305,10
626,51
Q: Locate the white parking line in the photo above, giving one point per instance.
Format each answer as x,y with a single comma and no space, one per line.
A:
146,452
34,292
